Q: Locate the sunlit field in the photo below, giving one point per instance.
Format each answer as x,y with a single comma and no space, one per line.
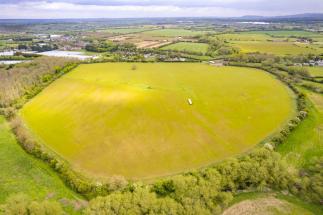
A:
286,33
153,119
174,33
315,71
277,48
200,48
244,36
124,30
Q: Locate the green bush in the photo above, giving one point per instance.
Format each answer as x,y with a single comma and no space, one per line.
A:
21,204
206,191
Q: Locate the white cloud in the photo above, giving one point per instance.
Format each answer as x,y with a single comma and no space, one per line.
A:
146,8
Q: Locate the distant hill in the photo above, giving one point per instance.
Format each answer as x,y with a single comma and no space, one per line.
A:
296,17
306,17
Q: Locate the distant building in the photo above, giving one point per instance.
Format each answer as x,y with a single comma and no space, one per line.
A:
298,64
216,63
42,36
55,36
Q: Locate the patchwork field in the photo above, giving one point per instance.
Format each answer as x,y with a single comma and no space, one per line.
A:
174,33
244,36
315,71
125,30
287,33
120,119
200,48
277,48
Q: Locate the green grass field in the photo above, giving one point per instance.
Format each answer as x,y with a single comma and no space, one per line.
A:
109,119
277,48
21,173
124,30
315,71
244,36
174,33
188,47
287,33
306,141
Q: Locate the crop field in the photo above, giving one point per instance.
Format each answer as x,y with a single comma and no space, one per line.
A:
277,48
174,33
315,71
124,30
287,33
135,120
269,35
244,36
188,47
23,173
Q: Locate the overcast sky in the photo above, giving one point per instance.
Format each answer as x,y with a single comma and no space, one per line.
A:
153,8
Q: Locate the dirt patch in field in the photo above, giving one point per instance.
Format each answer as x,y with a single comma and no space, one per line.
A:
120,38
151,44
264,206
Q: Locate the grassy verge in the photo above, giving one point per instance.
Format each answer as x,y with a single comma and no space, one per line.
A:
305,142
21,173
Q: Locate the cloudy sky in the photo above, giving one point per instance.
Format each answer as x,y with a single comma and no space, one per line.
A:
153,8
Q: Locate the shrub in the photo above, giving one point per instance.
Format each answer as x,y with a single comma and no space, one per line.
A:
21,204
206,191
310,186
140,201
8,112
26,80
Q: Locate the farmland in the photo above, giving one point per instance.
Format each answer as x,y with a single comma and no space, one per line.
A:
315,71
21,173
244,36
174,33
200,48
107,111
286,33
188,115
277,48
273,42
124,30
269,35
